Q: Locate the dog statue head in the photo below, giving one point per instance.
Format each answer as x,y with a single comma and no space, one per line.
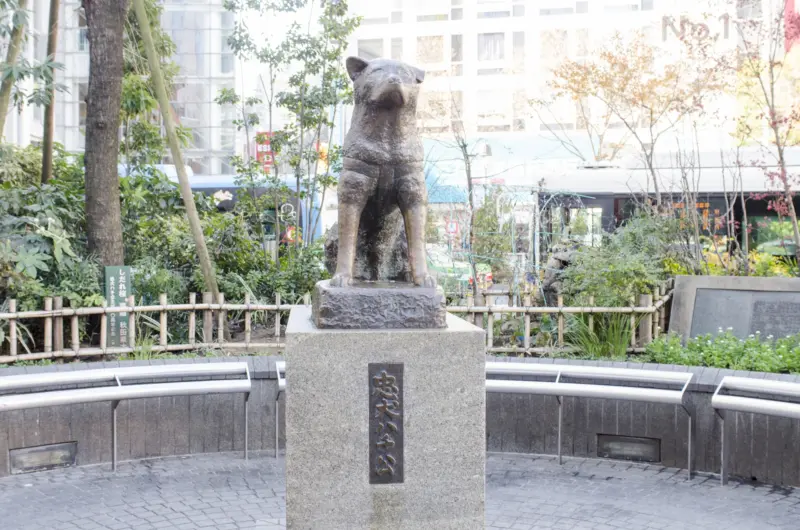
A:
385,83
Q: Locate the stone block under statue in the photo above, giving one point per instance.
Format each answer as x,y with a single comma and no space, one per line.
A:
378,305
385,428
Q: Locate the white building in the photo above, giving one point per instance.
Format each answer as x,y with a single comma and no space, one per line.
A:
199,29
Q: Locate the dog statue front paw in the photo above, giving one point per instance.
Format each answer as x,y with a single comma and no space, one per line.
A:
341,279
425,281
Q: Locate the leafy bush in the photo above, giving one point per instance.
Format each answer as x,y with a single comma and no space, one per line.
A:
630,262
609,338
724,350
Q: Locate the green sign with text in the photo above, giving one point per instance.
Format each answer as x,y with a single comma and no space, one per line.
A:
118,289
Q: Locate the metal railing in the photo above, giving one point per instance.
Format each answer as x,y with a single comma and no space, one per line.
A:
761,396
116,384
208,328
604,383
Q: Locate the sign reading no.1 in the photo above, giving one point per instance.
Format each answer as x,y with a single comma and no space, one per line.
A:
118,289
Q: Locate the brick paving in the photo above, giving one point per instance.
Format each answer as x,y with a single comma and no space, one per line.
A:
523,492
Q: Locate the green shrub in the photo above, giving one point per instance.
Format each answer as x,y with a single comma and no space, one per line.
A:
608,338
724,350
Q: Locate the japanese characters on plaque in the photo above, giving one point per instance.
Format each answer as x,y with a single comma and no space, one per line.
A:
118,288
385,423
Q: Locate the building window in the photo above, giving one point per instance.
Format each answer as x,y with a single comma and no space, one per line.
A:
647,5
456,48
553,47
430,49
370,48
583,7
83,93
519,11
586,225
519,49
493,14
397,17
748,9
491,46
556,11
83,33
456,14
397,48
582,42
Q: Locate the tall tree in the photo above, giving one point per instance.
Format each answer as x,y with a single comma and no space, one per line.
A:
18,20
206,265
105,20
768,60
49,110
649,93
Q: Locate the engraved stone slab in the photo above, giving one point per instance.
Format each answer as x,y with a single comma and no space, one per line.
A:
704,304
329,439
385,382
378,305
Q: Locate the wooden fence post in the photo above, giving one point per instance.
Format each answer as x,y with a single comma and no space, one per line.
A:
12,328
208,323
104,328
48,326
591,315
307,299
221,314
470,303
75,333
654,316
58,325
526,340
192,319
489,321
132,322
247,319
662,313
633,322
162,321
277,315
560,322
646,323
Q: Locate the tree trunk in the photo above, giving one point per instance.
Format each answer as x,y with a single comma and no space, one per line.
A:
105,20
206,265
49,111
470,196
14,47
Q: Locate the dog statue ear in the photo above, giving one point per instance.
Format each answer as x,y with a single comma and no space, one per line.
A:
419,74
355,65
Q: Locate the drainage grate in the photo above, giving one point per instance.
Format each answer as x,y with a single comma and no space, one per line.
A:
42,457
629,448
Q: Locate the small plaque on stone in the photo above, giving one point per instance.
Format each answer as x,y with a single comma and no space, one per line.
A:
385,423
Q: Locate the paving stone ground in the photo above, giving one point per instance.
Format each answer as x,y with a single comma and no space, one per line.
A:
523,492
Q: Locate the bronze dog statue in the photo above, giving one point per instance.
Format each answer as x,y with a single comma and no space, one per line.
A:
382,177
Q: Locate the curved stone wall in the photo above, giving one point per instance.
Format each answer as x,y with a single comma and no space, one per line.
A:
763,448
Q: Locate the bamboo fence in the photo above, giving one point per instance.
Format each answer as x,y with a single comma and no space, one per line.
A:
647,320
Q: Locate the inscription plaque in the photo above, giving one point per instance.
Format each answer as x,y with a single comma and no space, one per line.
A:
385,423
775,318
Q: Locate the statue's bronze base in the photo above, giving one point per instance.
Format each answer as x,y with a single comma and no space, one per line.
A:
378,305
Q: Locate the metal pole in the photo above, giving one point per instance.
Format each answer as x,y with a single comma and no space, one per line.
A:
277,423
723,474
560,419
246,404
114,435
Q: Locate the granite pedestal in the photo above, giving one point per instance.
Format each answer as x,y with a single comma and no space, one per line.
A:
378,305
438,464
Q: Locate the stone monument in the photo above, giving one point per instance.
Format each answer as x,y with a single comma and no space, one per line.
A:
385,399
747,305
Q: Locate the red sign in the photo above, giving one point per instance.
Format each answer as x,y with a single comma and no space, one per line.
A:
791,22
264,150
452,227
